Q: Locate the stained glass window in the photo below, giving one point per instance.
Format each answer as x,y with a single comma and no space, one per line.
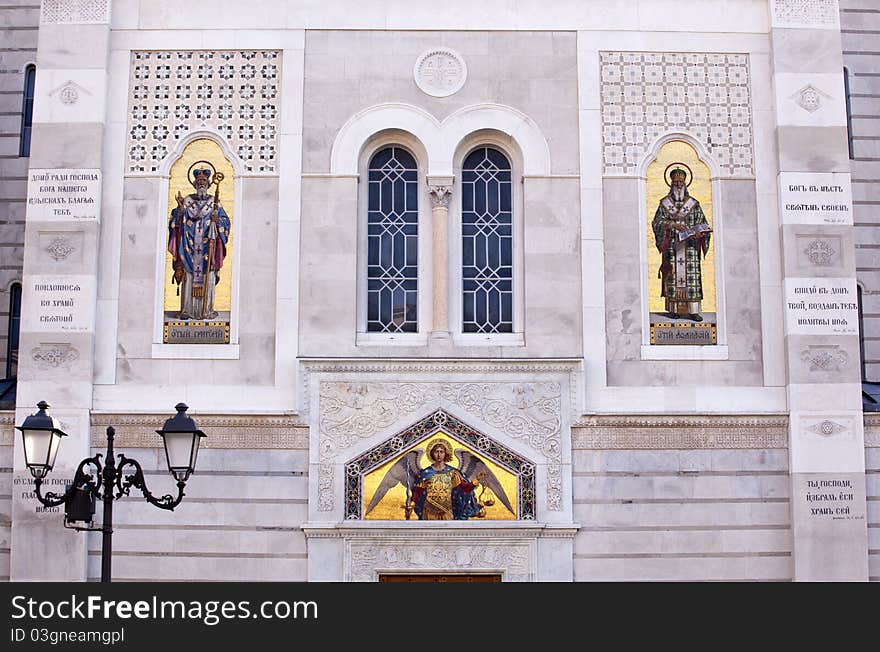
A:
487,242
12,334
27,111
392,242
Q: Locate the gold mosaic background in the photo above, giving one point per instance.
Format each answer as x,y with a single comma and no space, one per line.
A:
390,508
699,188
198,150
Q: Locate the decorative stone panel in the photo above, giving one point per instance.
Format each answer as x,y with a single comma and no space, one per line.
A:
512,560
235,93
647,94
235,432
680,432
68,12
352,411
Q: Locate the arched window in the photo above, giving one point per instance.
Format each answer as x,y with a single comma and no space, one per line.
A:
392,242
849,125
14,321
861,333
27,110
486,242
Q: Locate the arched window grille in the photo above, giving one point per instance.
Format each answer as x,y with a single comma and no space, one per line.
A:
27,110
487,242
392,242
12,333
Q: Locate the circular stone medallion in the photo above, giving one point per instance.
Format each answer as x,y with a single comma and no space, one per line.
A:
440,72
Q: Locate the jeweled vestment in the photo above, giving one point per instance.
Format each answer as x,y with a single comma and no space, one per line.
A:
680,275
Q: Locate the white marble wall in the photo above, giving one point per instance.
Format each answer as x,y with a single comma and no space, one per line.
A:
240,521
20,19
859,21
693,515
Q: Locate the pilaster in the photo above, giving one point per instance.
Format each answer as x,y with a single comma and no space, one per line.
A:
826,451
60,278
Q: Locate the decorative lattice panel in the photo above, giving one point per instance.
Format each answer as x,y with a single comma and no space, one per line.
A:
75,11
235,93
647,94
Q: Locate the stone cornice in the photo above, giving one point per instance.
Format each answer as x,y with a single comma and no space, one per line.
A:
440,365
449,531
681,432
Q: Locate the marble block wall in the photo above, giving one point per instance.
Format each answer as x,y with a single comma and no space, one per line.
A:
241,516
659,499
19,19
859,24
6,487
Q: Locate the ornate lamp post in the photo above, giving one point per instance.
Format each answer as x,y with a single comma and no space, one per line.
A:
108,482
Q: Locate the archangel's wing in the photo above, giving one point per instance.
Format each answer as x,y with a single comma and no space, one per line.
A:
398,473
472,466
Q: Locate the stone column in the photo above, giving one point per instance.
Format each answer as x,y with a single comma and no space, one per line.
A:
440,189
60,273
826,441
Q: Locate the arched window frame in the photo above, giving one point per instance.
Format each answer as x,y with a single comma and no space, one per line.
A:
720,350
13,329
27,109
409,143
507,146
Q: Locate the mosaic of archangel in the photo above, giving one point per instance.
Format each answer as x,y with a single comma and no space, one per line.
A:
440,481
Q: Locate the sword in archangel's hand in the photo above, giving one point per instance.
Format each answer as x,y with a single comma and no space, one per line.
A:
212,238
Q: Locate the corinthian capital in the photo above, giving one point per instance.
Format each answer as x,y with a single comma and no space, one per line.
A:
440,190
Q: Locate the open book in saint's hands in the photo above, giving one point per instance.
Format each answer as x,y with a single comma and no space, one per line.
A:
694,230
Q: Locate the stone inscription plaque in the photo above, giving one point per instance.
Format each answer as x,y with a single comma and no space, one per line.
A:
833,499
64,194
815,197
59,303
24,490
821,306
683,333
196,332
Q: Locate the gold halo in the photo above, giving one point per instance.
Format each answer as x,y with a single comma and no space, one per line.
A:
687,179
189,174
443,442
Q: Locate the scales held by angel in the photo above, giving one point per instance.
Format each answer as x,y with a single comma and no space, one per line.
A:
439,491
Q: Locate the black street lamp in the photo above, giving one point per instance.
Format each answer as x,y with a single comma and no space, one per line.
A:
42,438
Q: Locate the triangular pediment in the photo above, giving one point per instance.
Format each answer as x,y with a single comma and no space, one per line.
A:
387,481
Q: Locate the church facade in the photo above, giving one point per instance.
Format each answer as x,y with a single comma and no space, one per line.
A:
596,287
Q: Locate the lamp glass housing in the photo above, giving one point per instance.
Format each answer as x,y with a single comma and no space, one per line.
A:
181,451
